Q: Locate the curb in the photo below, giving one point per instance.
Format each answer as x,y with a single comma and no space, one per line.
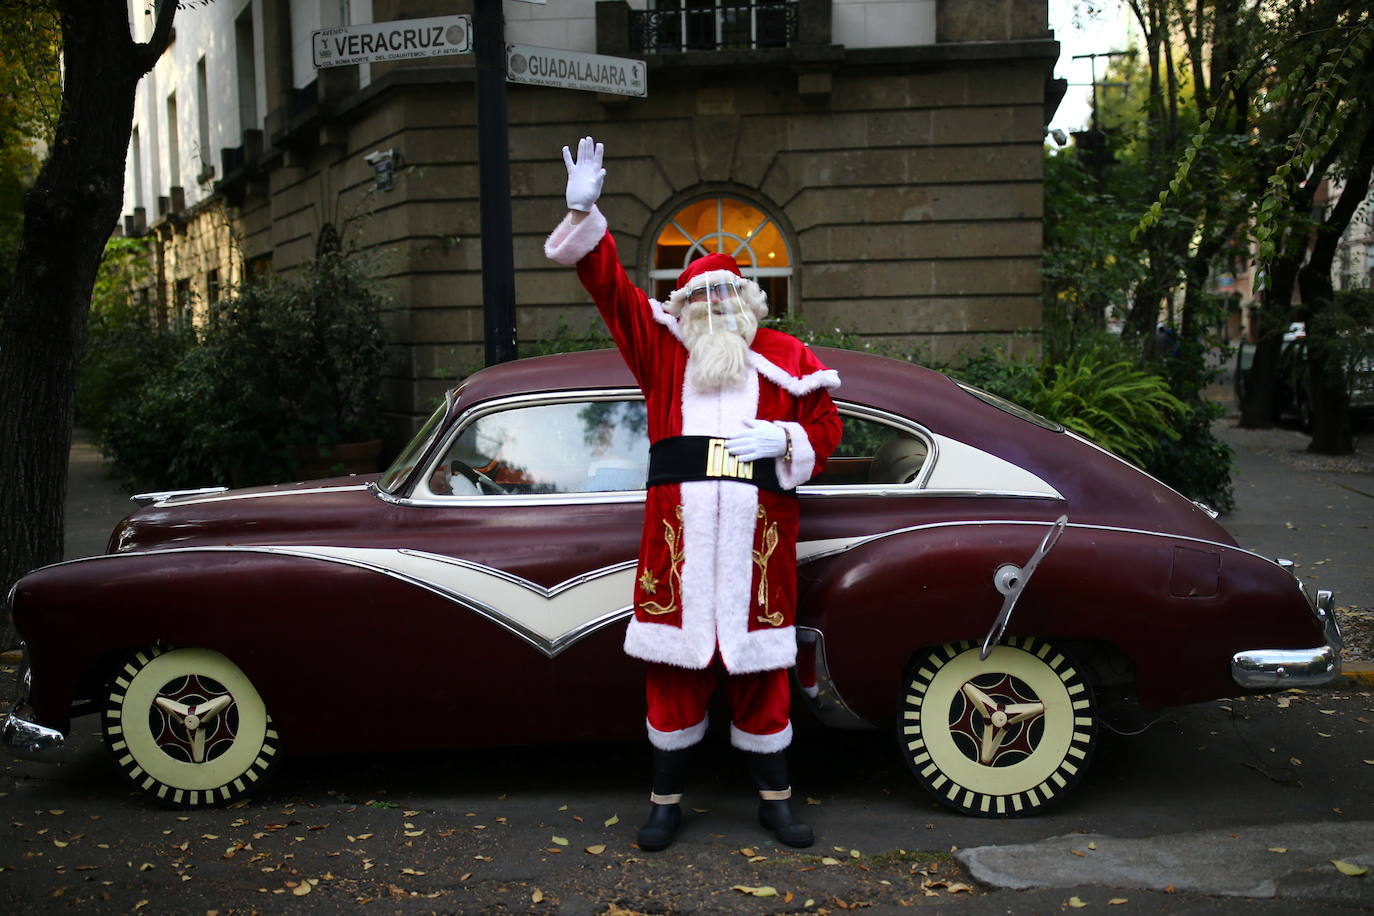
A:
1357,674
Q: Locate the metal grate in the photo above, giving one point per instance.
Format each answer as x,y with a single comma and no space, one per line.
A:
714,27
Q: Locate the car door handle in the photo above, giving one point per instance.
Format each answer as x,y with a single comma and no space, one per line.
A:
1011,580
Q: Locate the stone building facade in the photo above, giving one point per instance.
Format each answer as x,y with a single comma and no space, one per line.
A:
877,165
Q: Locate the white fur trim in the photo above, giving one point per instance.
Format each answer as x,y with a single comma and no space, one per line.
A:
797,387
668,321
761,744
676,741
570,242
794,473
753,296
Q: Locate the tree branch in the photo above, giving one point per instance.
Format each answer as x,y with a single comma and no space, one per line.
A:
150,51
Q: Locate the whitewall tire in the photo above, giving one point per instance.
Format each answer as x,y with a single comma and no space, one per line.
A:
1005,737
187,727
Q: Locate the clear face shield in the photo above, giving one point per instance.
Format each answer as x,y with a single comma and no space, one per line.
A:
723,302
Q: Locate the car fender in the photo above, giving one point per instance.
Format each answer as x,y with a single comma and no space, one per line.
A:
1179,608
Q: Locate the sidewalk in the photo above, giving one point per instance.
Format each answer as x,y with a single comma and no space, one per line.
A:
1316,511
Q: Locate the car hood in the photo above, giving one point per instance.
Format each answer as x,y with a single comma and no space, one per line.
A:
329,509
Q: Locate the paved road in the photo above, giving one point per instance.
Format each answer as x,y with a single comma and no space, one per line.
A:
1187,817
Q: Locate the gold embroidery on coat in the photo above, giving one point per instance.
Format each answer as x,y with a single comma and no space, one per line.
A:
674,540
761,557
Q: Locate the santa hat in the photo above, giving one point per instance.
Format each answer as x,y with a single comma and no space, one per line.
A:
716,268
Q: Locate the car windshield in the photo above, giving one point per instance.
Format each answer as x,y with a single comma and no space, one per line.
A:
405,462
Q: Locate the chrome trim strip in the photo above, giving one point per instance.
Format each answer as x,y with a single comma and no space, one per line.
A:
1261,668
605,497
24,738
346,488
903,492
159,495
827,704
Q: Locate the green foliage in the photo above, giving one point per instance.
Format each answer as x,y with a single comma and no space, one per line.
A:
1195,462
1346,330
565,339
30,96
842,338
126,346
282,367
1121,408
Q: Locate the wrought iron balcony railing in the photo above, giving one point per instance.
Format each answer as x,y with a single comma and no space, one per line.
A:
718,27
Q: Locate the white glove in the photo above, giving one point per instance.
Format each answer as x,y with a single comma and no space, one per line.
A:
585,175
763,439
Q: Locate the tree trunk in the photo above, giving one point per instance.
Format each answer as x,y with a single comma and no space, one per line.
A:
1259,406
1327,385
68,216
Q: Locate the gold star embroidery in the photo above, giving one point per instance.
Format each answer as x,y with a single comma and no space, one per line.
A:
648,582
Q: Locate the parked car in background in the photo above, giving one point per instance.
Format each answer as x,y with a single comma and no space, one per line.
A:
1292,399
983,584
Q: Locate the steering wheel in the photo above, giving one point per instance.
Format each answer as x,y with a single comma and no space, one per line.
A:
483,483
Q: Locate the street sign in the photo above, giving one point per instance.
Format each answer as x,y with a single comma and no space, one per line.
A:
402,39
576,70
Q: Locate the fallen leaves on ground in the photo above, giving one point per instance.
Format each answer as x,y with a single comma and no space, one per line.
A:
596,850
1347,868
611,821
761,891
1076,903
560,841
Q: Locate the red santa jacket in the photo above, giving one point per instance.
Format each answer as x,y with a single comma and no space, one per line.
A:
717,559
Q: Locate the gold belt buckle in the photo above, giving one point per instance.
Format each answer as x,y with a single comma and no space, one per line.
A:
720,463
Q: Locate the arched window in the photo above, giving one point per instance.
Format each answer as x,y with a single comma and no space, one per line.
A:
732,226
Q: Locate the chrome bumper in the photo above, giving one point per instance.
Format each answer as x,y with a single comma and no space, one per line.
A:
1260,668
30,740
23,737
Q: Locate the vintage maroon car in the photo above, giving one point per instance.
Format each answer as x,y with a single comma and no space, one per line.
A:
494,559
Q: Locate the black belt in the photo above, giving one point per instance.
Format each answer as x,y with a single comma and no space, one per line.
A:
682,458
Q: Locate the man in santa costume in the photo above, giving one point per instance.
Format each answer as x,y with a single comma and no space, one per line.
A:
738,417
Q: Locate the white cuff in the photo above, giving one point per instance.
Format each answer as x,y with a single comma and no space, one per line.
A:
676,741
798,471
570,242
761,744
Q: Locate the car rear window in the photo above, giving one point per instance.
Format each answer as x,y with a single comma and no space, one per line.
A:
1016,410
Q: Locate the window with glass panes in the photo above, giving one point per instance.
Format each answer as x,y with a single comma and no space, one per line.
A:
731,226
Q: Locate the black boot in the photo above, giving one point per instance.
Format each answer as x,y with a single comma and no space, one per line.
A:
775,807
670,778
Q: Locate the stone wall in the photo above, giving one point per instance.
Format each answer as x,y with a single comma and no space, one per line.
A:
908,182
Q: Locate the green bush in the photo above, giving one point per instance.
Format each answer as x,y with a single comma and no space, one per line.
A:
281,367
126,346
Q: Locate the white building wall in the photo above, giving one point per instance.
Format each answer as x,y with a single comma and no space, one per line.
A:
883,23
202,31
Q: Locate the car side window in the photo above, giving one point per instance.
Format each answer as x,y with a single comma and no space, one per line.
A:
571,447
871,453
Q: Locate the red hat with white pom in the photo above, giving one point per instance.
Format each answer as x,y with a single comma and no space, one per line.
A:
716,267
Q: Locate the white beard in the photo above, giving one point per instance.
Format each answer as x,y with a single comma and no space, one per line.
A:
720,358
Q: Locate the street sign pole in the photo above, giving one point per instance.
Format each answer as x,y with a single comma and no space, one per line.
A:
493,169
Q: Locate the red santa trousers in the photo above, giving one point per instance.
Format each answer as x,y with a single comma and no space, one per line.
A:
678,697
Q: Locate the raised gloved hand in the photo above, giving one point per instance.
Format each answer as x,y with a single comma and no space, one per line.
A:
585,174
763,439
